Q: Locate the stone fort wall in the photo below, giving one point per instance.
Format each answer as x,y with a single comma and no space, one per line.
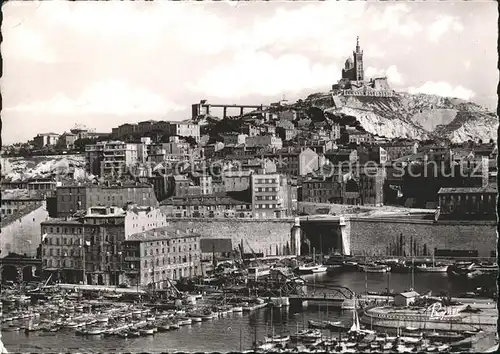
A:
372,235
262,235
369,236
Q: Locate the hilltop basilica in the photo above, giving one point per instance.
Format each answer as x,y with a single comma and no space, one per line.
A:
353,81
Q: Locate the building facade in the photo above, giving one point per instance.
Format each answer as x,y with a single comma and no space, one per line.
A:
476,203
207,206
264,141
93,243
235,181
17,199
45,139
322,191
72,198
112,158
270,196
159,256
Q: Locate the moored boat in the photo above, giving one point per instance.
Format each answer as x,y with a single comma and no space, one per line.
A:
277,339
375,268
424,268
311,268
148,331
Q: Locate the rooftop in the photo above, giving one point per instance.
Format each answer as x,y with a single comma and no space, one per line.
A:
21,194
62,221
491,188
162,233
9,219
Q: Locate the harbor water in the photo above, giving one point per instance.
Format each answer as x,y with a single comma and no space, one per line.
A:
237,331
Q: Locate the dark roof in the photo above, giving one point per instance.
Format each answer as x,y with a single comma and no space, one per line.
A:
162,233
488,189
10,218
21,194
62,221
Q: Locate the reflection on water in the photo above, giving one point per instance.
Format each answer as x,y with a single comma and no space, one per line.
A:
224,334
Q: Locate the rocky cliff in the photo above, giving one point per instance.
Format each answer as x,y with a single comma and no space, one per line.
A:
414,116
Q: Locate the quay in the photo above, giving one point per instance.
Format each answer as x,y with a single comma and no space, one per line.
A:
96,288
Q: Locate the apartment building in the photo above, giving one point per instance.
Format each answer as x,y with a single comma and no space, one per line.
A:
45,139
270,196
234,139
112,158
185,129
17,199
77,197
235,181
100,232
154,258
271,141
207,206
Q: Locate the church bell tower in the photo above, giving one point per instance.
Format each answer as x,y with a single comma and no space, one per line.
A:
358,62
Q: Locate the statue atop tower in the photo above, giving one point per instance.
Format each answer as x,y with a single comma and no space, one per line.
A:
358,62
353,70
353,78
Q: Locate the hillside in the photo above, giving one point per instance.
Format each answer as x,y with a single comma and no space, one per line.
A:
414,116
20,168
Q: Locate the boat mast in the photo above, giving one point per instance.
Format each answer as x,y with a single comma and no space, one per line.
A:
413,273
366,280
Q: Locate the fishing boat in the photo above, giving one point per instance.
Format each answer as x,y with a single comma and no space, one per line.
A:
174,325
424,268
238,309
311,268
325,324
123,334
334,268
94,331
445,336
133,333
102,319
306,335
185,321
165,327
375,268
277,339
71,325
148,331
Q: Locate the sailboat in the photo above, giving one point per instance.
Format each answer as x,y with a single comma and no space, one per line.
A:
313,267
356,327
424,268
276,338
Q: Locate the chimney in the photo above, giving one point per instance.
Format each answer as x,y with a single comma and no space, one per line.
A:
177,232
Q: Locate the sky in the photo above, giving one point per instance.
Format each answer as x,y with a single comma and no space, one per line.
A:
102,64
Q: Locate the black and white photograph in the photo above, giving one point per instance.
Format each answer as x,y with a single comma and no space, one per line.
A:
249,176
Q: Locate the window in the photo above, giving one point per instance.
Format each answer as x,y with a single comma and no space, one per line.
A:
163,250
